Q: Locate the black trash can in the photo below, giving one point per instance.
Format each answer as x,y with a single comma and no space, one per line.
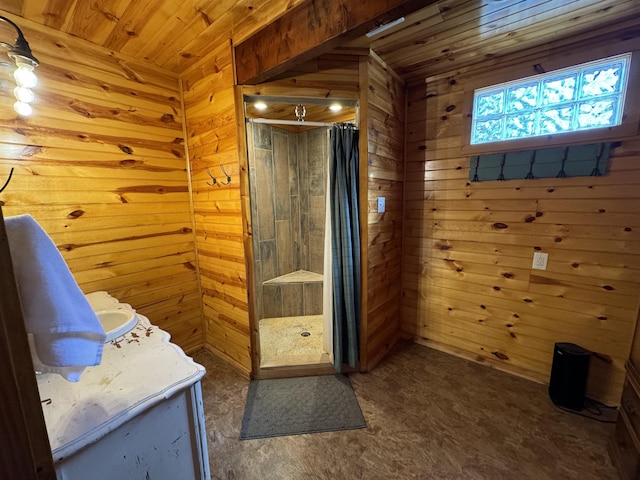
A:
569,371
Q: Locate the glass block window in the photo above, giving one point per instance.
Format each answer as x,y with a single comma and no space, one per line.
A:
578,98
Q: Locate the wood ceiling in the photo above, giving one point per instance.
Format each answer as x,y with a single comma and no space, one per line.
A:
450,34
454,33
173,34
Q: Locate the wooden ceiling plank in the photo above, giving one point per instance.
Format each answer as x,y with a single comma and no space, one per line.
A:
152,33
94,21
445,48
615,29
132,21
414,24
527,36
217,34
169,51
475,23
54,14
457,12
419,21
310,29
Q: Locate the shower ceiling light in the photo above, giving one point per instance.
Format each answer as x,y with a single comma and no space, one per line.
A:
260,106
335,107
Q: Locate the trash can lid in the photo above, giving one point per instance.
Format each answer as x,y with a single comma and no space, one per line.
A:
572,348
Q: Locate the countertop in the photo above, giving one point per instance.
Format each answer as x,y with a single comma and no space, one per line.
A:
138,370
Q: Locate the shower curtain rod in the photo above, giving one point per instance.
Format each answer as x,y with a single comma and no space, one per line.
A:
274,121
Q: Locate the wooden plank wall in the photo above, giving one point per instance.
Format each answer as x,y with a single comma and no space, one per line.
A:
385,131
468,285
101,165
208,92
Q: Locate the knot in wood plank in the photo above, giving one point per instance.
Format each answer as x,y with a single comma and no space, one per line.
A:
76,214
500,355
128,163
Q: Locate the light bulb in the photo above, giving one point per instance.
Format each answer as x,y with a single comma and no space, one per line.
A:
260,105
22,109
335,107
25,77
24,94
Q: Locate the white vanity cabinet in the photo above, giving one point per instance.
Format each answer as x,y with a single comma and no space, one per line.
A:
137,415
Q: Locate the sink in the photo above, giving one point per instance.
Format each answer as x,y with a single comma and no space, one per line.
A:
116,322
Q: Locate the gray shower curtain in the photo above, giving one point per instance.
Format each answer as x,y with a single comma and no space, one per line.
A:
345,243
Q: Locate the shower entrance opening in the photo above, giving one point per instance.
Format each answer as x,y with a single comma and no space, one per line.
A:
288,160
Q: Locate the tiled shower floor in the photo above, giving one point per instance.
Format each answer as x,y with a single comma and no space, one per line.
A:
282,342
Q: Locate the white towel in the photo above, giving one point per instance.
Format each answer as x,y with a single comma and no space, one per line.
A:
66,332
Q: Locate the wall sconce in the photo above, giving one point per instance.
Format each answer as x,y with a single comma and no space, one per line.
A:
25,78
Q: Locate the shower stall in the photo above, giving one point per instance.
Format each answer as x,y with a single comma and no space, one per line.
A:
288,170
290,226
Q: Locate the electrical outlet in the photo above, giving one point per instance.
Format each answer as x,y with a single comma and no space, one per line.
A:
540,260
381,206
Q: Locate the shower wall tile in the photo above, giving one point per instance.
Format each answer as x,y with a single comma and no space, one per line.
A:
303,172
294,176
272,301
269,259
258,299
280,178
284,247
316,234
296,239
304,246
287,182
317,148
261,136
292,299
313,298
264,193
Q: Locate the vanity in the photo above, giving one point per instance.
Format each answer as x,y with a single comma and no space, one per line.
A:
137,415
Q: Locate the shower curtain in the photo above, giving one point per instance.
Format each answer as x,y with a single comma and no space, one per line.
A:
345,239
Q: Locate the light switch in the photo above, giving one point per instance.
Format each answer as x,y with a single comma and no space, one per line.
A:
540,260
381,205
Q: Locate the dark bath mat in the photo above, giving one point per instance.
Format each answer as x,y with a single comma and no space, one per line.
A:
293,406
